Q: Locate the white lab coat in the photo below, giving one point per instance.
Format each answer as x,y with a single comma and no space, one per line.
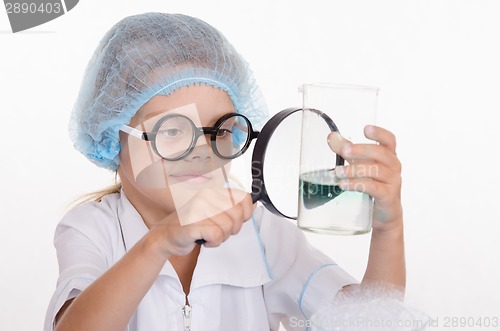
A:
266,274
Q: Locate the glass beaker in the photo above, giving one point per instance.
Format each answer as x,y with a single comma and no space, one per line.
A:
323,206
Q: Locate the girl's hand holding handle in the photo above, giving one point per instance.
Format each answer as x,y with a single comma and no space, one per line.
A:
212,215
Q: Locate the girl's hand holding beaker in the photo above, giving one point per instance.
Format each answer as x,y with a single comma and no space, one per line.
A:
377,162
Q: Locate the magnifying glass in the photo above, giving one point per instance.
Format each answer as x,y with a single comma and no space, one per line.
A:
260,191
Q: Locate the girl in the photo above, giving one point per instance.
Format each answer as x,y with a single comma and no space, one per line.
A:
167,102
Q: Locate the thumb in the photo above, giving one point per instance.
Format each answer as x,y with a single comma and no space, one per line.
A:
336,141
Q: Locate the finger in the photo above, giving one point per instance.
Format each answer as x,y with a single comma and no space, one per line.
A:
382,136
213,231
337,143
236,196
242,212
236,215
372,152
248,207
213,208
387,204
375,171
386,196
230,220
370,187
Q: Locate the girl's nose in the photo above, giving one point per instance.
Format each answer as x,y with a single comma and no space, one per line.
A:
202,149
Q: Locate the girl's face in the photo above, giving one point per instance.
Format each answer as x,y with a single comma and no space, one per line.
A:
168,185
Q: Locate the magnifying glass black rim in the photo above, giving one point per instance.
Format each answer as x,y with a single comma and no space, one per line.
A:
259,191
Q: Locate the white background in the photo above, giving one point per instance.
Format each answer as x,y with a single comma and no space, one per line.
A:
436,63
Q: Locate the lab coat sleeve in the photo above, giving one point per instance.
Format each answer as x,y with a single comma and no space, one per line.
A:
82,243
303,278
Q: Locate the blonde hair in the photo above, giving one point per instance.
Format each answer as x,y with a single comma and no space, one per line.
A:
99,194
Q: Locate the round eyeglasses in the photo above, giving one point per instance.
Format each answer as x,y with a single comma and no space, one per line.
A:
174,136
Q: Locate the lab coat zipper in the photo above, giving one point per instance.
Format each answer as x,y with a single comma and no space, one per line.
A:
186,312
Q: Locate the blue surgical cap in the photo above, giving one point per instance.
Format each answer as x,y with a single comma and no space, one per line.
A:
154,54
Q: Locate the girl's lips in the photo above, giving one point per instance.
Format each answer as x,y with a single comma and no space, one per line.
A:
192,178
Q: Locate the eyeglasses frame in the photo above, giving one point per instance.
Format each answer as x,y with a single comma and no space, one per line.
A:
197,133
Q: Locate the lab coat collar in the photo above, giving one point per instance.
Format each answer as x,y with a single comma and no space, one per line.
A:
239,261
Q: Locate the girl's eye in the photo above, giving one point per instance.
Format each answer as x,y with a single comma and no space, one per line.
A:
171,132
224,133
